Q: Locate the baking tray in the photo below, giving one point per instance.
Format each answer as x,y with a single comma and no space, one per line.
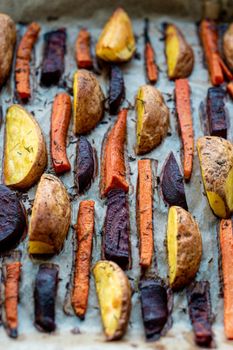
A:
71,332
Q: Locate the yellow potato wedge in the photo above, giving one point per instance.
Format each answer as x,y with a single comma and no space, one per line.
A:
88,101
114,295
216,162
184,246
116,42
51,215
152,118
228,46
179,53
25,155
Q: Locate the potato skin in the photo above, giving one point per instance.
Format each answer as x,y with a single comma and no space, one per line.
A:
228,46
40,161
51,215
155,118
7,44
88,101
189,248
126,295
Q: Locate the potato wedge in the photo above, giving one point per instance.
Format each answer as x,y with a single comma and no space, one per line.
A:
51,215
179,53
114,295
228,46
216,161
116,42
152,118
88,101
7,44
184,246
25,154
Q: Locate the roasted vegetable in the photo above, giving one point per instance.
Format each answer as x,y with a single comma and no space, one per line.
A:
228,46
25,151
145,211
7,44
12,219
83,51
12,278
216,112
84,231
116,240
88,102
51,215
152,118
230,89
149,54
183,109
216,162
116,42
23,57
117,89
226,245
154,305
172,183
85,165
217,68
114,295
54,57
45,297
60,120
184,246
199,303
179,54
113,170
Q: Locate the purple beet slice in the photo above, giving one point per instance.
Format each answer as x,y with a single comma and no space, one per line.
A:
216,113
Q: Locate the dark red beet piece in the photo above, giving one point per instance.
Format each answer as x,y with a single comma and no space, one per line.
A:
54,53
172,183
85,165
45,297
116,241
199,304
117,89
216,113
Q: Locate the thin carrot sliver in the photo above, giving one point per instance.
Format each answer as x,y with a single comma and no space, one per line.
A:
60,119
183,107
84,231
145,205
83,52
151,68
230,89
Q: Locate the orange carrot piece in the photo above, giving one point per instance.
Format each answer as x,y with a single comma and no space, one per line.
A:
182,93
151,68
23,57
83,52
226,244
113,166
60,119
11,296
144,212
225,70
84,230
230,89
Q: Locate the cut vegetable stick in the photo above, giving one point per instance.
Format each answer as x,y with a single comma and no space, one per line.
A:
117,89
82,47
23,57
230,89
149,54
84,231
183,108
113,165
13,270
144,211
60,120
226,244
216,112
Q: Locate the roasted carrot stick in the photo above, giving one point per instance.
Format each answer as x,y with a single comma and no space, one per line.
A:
23,57
151,68
83,53
230,89
182,93
84,230
60,119
144,211
226,244
11,297
113,165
